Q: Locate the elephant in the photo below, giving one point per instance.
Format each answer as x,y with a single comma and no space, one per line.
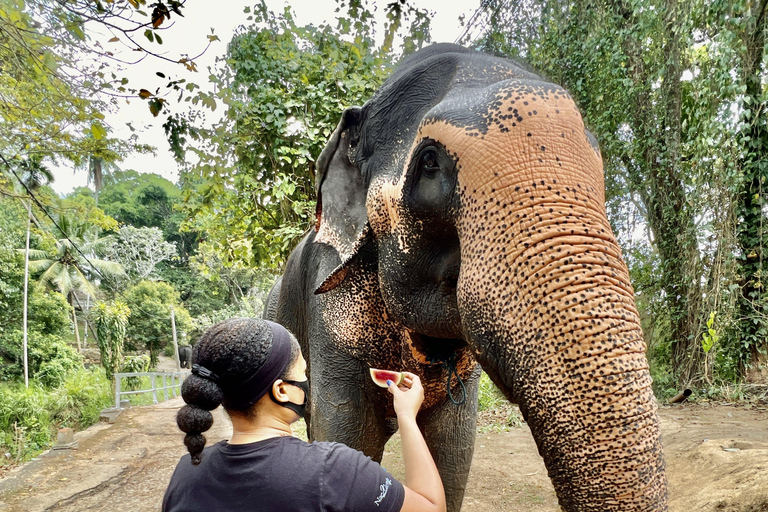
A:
461,220
185,356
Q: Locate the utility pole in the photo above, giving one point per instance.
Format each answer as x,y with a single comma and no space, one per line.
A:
26,292
175,342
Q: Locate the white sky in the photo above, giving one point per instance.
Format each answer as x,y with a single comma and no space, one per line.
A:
189,36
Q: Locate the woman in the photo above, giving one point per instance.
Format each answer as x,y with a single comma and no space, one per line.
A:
255,369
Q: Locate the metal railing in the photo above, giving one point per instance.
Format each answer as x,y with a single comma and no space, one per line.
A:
176,378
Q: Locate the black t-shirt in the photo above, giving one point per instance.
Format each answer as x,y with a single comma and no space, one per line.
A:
282,474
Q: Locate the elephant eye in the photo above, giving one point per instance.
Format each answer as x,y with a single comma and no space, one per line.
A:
429,163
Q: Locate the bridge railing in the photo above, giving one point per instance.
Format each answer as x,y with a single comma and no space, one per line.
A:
169,380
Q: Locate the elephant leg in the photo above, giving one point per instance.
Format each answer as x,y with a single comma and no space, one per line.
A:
346,407
449,430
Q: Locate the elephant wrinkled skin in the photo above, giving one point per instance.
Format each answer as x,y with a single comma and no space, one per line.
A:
461,212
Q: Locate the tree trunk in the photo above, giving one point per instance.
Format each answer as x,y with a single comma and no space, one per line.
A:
85,317
77,330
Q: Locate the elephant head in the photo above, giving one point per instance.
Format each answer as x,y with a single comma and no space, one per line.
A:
482,193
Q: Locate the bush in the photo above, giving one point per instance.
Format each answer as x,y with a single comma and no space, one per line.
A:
134,364
78,402
49,312
49,325
50,358
29,418
24,421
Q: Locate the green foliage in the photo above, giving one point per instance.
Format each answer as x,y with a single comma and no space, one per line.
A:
285,87
78,401
12,231
139,199
710,337
49,313
200,293
64,267
682,129
111,323
146,200
490,397
24,420
150,303
134,364
30,417
44,111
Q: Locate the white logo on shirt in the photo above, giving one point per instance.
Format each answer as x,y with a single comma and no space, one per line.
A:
384,488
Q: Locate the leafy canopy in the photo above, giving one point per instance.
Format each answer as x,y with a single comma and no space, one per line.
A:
285,87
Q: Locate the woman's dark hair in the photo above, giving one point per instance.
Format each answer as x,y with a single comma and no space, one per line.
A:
233,350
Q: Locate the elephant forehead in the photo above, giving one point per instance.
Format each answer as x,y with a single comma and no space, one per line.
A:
515,130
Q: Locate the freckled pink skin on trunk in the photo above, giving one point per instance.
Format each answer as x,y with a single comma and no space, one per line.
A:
546,301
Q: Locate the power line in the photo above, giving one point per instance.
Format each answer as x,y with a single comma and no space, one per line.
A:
483,24
477,12
45,211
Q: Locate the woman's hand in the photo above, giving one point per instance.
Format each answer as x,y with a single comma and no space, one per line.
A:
408,396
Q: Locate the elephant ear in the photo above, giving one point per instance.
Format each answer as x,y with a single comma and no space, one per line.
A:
342,219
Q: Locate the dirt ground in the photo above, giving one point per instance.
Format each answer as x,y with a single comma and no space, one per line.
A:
717,460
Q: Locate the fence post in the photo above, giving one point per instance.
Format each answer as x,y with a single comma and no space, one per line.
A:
154,389
173,381
165,389
117,391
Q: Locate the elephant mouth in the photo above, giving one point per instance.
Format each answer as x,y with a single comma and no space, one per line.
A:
431,350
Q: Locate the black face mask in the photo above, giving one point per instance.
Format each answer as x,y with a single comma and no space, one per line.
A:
300,409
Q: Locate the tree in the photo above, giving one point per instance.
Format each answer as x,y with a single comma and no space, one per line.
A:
49,318
285,87
72,264
148,200
96,165
111,323
43,112
138,251
150,323
60,72
35,175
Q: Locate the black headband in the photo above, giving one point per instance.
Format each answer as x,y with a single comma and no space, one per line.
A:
257,385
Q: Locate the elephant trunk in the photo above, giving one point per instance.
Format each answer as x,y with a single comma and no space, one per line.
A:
555,326
546,303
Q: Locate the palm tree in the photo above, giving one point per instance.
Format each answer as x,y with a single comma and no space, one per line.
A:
68,270
97,165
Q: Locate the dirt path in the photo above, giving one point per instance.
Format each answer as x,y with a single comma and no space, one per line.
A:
717,459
